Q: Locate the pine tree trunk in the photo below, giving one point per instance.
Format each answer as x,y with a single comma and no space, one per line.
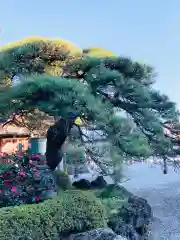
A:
165,169
56,136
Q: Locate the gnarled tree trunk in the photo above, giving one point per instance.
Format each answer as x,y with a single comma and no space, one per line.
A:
56,136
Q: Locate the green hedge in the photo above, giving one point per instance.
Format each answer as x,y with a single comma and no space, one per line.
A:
72,211
113,190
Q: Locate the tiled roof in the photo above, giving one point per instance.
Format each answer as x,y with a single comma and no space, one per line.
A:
8,127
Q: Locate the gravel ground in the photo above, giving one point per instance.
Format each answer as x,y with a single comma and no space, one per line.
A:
163,194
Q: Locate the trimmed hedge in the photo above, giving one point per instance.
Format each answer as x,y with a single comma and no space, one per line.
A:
71,212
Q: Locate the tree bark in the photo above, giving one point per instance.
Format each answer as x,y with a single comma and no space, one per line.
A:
56,136
165,168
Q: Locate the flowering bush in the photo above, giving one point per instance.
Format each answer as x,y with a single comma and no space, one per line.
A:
22,180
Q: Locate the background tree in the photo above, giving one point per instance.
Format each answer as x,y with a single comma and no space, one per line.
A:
96,89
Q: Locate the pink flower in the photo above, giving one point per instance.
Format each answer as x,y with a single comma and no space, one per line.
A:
14,189
37,198
22,174
35,174
20,155
35,170
6,182
34,156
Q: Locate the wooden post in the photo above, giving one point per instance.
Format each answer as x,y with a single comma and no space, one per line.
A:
20,147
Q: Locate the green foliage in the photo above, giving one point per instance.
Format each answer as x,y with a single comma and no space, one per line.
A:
113,191
53,95
22,181
128,86
62,180
96,88
72,211
112,202
112,197
74,155
35,55
5,167
112,205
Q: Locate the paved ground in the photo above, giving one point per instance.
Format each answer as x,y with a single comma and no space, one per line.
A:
163,194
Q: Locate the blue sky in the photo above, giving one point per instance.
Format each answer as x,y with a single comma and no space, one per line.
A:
145,30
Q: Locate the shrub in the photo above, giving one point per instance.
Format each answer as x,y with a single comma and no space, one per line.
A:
71,212
62,180
113,190
113,198
112,205
22,181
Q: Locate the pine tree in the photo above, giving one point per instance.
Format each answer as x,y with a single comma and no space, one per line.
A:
128,86
112,94
35,55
